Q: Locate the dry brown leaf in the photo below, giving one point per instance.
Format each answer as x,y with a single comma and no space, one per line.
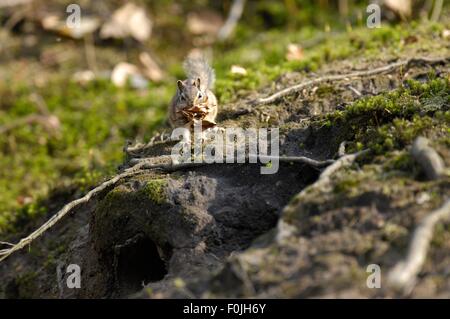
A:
204,22
401,7
55,24
294,52
410,39
128,20
207,124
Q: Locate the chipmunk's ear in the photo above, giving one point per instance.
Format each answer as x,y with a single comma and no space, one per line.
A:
197,83
180,85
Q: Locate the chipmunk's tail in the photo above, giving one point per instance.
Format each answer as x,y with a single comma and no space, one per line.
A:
199,68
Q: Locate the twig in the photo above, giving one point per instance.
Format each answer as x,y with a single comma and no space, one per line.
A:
403,275
235,14
67,209
357,74
89,49
284,229
325,177
49,122
437,9
6,243
263,158
344,161
427,158
341,150
354,90
44,117
141,164
39,101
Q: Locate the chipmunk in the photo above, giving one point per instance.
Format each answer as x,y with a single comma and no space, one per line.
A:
194,101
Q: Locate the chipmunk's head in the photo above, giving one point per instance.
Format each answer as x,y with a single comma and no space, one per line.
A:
190,92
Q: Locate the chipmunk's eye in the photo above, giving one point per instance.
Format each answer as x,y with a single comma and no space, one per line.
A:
200,95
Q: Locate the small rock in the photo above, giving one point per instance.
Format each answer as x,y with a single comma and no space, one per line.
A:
294,52
423,198
430,161
83,77
236,69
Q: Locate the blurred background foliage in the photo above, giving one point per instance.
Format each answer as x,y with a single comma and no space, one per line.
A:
64,117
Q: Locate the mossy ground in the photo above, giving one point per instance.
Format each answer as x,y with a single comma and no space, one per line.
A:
97,118
392,120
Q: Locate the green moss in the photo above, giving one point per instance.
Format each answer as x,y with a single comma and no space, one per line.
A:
346,185
402,161
393,120
155,189
95,120
441,235
393,232
264,56
26,285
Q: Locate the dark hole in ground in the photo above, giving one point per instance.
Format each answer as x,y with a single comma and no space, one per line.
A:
139,263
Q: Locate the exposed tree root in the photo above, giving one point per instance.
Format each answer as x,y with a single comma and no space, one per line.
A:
357,74
430,161
43,117
403,275
323,183
50,123
148,163
4,253
140,166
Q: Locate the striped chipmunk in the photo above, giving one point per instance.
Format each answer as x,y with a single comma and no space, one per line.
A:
194,100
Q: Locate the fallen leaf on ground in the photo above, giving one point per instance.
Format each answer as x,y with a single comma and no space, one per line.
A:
294,52
410,39
128,20
55,24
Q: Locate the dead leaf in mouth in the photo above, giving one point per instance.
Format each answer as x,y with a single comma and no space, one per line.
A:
207,124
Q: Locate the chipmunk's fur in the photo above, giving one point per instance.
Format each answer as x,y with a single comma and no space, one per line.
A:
194,93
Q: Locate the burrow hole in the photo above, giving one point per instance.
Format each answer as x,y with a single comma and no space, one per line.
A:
140,263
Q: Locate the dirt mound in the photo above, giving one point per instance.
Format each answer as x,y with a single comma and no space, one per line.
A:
228,231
